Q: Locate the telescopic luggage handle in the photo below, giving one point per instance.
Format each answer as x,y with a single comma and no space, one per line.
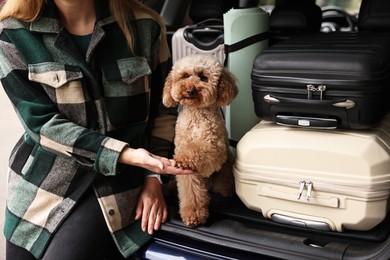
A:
314,101
308,121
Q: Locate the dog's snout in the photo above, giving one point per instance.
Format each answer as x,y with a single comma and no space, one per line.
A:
191,91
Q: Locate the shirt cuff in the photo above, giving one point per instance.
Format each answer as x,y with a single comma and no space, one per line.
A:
155,175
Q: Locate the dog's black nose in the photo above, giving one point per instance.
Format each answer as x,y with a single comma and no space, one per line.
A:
191,92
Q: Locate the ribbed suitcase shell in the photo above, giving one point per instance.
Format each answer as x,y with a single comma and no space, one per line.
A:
181,47
349,172
354,68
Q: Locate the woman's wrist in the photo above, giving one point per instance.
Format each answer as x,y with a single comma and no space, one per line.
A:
155,175
125,156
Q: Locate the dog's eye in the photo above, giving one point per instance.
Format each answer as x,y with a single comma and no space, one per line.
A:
202,77
185,75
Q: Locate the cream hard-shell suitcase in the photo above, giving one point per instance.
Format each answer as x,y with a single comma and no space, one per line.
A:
322,179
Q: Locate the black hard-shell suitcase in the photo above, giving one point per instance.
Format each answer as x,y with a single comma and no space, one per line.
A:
324,80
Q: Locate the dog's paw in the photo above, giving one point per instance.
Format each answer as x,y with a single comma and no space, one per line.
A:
194,217
184,164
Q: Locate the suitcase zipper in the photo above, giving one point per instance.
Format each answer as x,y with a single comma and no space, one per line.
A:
312,184
286,80
309,187
331,90
301,188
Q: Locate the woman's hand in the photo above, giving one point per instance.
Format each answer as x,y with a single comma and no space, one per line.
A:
151,207
142,158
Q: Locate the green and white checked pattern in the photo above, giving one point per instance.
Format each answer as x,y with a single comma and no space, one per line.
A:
78,114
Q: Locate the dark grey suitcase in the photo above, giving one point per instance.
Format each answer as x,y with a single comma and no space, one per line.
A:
324,80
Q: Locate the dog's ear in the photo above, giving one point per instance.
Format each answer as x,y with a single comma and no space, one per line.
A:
227,88
168,100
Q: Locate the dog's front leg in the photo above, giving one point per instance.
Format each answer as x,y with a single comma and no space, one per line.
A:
194,199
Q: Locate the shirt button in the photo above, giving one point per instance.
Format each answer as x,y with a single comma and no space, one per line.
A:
111,212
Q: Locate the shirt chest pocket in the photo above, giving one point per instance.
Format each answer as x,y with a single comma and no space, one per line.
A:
126,77
126,90
61,82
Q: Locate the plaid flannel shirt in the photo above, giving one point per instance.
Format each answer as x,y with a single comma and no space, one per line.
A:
78,114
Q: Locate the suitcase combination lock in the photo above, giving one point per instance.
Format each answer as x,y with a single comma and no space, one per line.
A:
309,187
312,88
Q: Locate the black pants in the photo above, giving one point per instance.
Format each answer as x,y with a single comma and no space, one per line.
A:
83,235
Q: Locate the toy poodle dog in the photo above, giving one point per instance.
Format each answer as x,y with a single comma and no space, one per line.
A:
200,85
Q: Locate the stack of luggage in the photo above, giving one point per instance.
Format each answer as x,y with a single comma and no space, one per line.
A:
217,30
320,157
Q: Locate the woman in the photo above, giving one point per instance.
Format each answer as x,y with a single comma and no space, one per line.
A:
85,78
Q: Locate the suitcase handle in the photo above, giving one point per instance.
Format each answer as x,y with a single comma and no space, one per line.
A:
207,22
341,103
213,32
206,35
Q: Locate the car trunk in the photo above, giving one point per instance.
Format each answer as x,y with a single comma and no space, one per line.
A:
235,232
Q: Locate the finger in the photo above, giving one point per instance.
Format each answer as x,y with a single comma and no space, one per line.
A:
178,171
161,218
167,162
157,223
164,215
145,218
138,210
159,164
151,222
162,162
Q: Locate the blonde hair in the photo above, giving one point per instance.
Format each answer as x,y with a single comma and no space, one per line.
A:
29,10
26,11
